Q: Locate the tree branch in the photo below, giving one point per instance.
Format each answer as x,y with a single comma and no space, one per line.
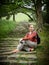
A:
28,15
28,8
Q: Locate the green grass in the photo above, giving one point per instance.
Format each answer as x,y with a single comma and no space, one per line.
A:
5,27
43,48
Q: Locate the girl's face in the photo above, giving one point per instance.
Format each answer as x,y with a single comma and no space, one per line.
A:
31,28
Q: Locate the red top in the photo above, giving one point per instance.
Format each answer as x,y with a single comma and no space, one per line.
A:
31,36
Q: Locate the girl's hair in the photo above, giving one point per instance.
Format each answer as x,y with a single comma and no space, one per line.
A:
29,24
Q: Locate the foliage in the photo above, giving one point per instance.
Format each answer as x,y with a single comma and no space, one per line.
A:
5,27
25,6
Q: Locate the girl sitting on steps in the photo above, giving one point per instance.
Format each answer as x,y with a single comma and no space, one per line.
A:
28,42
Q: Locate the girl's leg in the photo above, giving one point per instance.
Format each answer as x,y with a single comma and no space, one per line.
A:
31,44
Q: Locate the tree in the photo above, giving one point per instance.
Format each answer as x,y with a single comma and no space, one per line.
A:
38,8
29,5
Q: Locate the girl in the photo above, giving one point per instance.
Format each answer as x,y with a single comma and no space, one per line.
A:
29,41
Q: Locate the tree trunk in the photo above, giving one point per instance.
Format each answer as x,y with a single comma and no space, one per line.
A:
38,6
13,16
8,16
0,17
39,17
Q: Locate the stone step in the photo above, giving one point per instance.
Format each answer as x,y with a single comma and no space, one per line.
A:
3,58
8,42
22,52
8,48
5,39
2,44
18,62
8,45
19,57
6,57
23,57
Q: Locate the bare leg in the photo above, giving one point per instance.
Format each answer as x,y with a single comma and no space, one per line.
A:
15,50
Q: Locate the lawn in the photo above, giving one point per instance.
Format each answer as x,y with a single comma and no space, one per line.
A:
5,27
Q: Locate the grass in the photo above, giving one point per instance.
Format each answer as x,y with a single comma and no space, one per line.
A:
43,48
5,27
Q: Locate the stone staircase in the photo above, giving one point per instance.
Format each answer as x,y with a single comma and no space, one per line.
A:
20,58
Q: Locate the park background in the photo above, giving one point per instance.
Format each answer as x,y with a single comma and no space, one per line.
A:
15,15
